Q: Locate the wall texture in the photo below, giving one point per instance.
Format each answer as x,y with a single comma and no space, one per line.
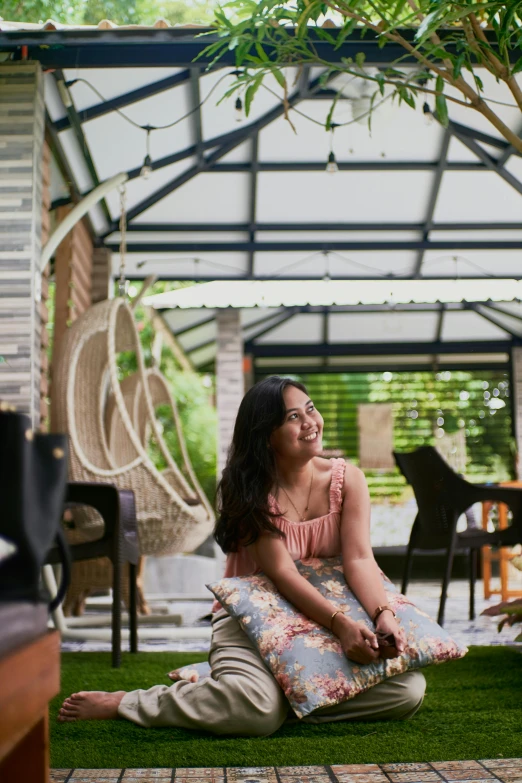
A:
21,144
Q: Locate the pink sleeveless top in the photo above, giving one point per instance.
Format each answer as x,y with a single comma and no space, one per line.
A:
320,537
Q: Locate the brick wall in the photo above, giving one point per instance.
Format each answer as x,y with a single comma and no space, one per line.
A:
73,276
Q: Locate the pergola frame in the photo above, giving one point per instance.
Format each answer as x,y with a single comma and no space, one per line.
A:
179,47
84,49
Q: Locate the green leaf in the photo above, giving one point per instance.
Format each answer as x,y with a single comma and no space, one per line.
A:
251,91
279,77
517,66
261,52
360,57
440,103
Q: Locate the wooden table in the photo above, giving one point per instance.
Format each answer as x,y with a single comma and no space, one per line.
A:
29,679
502,555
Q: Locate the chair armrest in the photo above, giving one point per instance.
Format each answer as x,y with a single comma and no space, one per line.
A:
117,509
511,496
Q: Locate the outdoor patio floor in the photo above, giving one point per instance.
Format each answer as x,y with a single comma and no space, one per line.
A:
481,631
481,771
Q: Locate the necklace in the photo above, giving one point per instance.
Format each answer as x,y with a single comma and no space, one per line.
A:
302,517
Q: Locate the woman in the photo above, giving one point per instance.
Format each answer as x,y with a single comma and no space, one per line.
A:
280,501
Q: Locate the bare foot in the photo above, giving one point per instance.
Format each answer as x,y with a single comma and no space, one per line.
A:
91,705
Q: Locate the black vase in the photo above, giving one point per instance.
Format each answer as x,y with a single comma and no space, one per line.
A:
33,482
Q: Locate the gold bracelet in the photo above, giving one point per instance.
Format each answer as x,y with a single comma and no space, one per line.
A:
380,610
338,611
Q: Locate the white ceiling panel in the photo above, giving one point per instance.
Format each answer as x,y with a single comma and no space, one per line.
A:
334,264
120,81
76,160
348,196
470,326
116,145
209,198
306,328
139,188
173,265
473,263
196,337
219,116
382,327
182,319
475,196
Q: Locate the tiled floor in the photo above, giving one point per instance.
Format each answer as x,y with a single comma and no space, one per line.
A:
481,631
490,770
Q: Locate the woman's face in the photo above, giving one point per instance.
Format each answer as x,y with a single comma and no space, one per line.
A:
301,433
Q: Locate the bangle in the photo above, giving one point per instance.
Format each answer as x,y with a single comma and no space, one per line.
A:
380,610
338,611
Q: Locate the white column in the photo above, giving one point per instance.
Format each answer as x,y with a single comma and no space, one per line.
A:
516,402
21,147
229,378
229,382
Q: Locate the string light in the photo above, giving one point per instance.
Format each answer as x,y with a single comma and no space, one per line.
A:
239,110
429,119
146,169
331,166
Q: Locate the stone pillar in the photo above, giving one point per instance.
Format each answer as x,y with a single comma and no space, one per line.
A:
229,378
21,142
516,402
101,275
229,381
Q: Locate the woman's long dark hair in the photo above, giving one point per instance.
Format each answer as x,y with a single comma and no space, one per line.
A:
250,472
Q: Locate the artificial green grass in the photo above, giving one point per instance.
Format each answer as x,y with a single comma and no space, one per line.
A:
472,710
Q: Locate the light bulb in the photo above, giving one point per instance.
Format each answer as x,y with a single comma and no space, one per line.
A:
239,110
331,166
429,119
146,169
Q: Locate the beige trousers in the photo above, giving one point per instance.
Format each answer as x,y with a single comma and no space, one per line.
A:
243,698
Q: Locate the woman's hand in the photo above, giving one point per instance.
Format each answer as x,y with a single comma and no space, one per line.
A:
358,642
387,624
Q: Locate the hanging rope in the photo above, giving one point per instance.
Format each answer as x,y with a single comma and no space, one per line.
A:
122,283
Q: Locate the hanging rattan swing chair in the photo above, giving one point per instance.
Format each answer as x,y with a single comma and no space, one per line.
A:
85,377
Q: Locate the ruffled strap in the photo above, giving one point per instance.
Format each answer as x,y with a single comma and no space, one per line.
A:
336,484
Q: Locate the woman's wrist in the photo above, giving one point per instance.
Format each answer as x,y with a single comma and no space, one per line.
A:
339,621
385,616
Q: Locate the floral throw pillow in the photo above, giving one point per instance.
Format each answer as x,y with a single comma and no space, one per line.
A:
305,658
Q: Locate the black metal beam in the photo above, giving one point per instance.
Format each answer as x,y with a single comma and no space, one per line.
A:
253,201
495,321
440,322
178,47
127,99
274,318
491,164
236,138
190,327
359,165
260,247
495,306
335,369
434,194
211,278
66,170
380,349
197,129
473,133
77,129
370,226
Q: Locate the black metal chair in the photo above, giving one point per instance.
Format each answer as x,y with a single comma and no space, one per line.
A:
119,543
442,496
